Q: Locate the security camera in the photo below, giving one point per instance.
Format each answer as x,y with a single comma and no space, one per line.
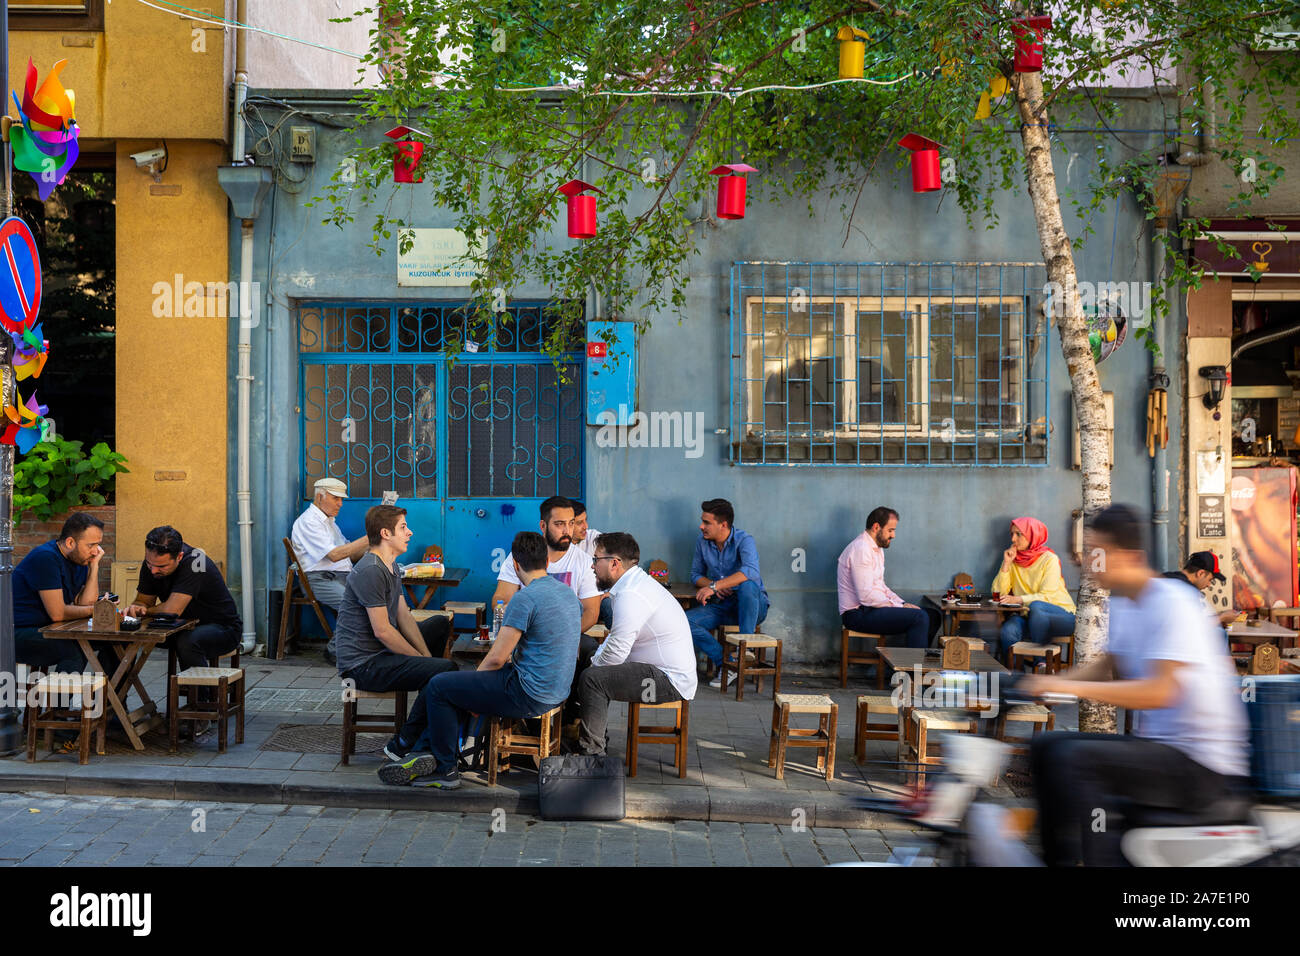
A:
149,157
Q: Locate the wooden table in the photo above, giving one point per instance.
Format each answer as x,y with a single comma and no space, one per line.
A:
1266,632
964,611
132,649
467,650
908,658
451,577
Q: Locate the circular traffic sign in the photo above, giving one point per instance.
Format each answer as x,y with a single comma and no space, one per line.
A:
20,276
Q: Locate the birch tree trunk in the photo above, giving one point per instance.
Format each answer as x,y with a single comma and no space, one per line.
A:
1089,406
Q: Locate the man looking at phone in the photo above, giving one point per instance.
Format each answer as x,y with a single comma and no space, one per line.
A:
57,581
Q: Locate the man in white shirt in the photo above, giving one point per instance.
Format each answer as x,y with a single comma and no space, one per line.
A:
565,562
649,655
325,556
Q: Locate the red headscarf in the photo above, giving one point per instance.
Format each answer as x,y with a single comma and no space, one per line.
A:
1036,532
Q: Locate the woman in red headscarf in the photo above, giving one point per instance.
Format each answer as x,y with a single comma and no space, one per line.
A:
1031,575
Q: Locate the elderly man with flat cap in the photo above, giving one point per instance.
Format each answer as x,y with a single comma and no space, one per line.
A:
325,555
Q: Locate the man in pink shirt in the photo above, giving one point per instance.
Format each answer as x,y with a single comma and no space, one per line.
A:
866,603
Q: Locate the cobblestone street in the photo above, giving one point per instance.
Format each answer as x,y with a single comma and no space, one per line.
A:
45,830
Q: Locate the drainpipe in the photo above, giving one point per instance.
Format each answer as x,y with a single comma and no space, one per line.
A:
241,85
1159,379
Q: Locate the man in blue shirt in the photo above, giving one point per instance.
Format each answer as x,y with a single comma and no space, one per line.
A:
727,581
527,672
57,581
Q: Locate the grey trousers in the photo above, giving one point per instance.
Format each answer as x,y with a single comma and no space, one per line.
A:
328,587
599,685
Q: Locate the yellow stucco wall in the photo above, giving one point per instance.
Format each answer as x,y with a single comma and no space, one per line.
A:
171,371
138,82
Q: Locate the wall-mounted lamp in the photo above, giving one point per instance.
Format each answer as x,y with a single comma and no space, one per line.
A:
1217,377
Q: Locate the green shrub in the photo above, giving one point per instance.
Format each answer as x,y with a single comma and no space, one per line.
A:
57,475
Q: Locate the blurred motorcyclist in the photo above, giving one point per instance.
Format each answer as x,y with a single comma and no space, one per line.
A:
1164,659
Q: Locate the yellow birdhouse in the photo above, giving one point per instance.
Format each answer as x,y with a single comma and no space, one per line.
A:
853,52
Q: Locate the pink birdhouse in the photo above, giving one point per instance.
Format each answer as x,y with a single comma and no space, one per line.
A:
407,156
731,189
925,162
582,209
1028,32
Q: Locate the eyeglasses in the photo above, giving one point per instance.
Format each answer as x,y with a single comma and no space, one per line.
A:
604,557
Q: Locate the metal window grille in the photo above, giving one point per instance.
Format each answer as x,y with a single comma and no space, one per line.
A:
888,364
380,398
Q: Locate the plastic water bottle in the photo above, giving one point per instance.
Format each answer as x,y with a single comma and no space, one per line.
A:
498,616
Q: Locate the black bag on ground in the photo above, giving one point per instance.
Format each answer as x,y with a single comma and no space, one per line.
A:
581,787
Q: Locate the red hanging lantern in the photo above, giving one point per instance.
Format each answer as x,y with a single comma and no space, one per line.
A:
731,189
925,162
407,156
582,209
1028,32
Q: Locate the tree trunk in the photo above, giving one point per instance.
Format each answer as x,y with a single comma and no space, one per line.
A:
1089,406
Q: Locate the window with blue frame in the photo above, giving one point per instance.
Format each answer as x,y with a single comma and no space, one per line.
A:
879,364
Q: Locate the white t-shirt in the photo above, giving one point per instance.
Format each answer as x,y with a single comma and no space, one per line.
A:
1208,721
588,544
315,535
573,570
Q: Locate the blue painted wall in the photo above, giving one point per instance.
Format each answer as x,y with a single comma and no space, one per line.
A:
953,518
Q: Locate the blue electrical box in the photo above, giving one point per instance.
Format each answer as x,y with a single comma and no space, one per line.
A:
611,372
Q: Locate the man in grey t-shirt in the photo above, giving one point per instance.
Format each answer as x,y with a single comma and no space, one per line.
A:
1189,752
380,646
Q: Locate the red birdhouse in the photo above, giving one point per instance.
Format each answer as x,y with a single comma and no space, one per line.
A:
582,209
1028,32
407,156
925,162
731,189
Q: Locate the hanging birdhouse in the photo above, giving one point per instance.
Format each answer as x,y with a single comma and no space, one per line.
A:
407,156
582,209
1028,32
731,189
853,52
925,162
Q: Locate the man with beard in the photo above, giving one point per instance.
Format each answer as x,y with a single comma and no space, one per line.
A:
866,603
648,655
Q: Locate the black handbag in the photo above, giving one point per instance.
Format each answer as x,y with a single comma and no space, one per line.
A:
581,787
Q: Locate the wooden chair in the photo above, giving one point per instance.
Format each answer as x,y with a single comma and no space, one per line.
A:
293,599
45,713
1286,617
1037,716
915,743
676,734
784,736
1046,657
864,728
229,702
377,723
750,661
507,737
869,656
1066,644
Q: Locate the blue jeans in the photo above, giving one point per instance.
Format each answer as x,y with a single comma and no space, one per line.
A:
746,608
1042,622
912,622
452,696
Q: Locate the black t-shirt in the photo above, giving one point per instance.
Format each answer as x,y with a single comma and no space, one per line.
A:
198,576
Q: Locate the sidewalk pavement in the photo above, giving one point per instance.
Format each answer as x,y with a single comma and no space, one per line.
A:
727,778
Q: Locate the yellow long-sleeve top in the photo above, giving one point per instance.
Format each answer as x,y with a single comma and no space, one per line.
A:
1041,581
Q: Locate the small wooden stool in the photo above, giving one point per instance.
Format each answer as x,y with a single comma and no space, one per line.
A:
229,682
381,722
658,734
783,735
1044,656
477,608
44,713
750,661
864,728
1036,715
869,656
914,743
504,741
1066,644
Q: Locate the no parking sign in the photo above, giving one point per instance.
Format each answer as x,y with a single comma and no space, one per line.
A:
20,276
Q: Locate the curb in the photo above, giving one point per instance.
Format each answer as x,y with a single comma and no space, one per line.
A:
325,789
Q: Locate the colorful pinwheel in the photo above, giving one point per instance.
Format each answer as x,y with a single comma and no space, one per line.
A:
45,145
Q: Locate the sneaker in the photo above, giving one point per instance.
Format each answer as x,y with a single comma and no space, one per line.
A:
396,751
717,679
401,773
438,781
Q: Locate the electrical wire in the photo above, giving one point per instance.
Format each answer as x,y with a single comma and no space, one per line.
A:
202,16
